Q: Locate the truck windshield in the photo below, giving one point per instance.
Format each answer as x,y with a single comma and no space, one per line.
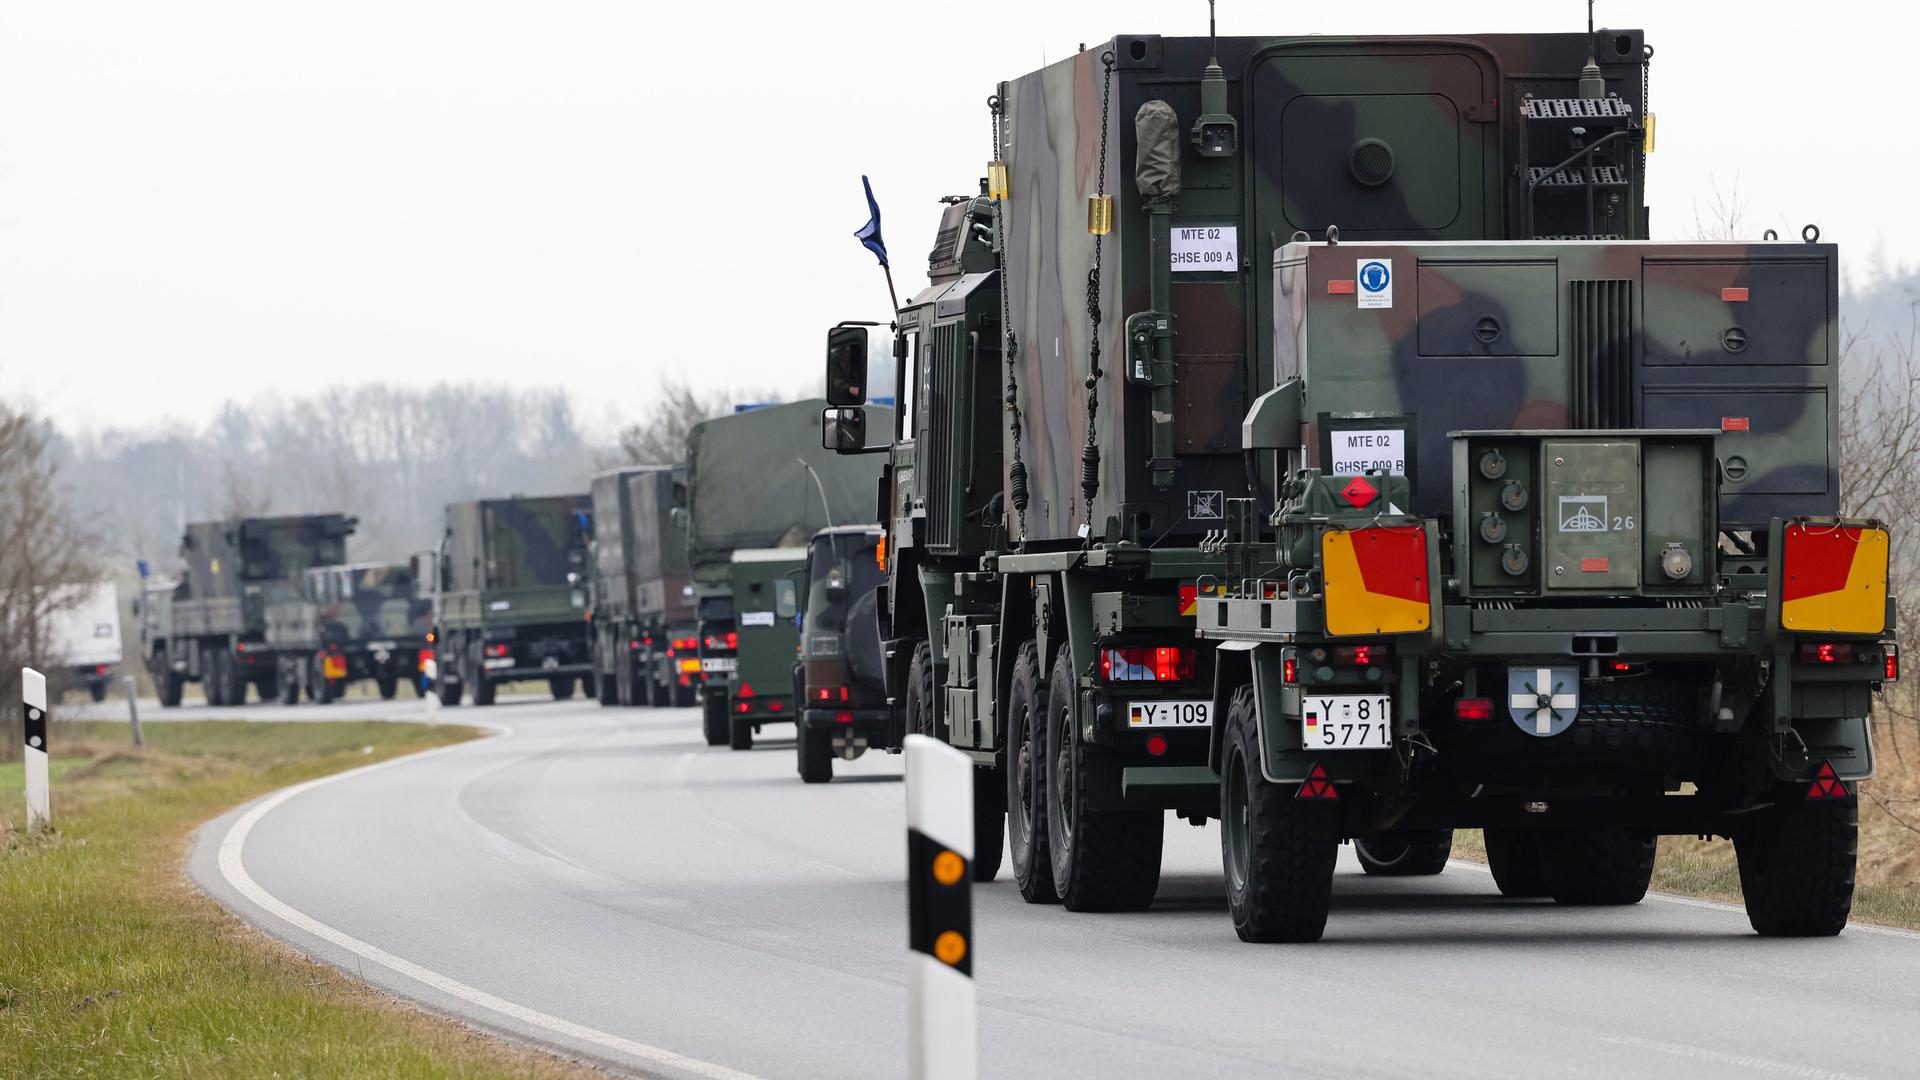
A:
530,545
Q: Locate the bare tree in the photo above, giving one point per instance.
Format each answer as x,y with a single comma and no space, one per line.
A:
660,437
41,547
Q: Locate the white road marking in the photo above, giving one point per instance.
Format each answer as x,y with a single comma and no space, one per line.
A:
1719,1057
233,868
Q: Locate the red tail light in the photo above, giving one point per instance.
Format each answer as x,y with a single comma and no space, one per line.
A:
733,639
1893,663
742,707
497,651
634,646
831,693
1473,708
686,643
1826,652
843,718
776,706
1290,671
1156,745
1147,663
1317,787
100,669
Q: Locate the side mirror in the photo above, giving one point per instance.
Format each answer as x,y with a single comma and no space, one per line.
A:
847,365
844,431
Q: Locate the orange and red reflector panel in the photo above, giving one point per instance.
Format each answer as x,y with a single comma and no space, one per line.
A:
1318,786
1376,580
1833,578
1826,784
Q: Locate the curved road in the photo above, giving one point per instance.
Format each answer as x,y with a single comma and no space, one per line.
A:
601,881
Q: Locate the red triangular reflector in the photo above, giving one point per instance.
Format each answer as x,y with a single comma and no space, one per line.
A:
1318,773
1826,772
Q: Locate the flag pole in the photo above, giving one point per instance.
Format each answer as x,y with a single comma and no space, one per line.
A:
894,296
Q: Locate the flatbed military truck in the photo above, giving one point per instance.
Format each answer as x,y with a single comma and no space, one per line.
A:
645,636
843,696
758,479
1075,405
511,602
352,622
765,584
211,628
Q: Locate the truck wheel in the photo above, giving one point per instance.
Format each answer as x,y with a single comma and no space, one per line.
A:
1600,866
1519,862
483,690
235,679
448,689
1797,865
170,686
1405,852
1103,860
1026,766
740,735
562,687
1278,851
920,711
97,690
324,690
290,687
713,719
989,821
211,686
388,686
816,756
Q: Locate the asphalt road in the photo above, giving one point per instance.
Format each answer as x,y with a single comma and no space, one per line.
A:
600,880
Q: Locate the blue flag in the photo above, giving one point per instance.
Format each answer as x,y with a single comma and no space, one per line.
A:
869,234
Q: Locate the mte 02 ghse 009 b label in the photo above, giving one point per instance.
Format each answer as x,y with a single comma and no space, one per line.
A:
1206,247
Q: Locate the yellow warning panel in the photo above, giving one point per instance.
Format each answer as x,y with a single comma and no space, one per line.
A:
1833,578
1376,580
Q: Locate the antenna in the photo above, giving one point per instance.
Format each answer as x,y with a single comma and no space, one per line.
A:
1213,35
1593,84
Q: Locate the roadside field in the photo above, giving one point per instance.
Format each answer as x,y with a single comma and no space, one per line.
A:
112,964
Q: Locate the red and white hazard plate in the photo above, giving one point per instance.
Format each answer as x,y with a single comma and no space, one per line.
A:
1346,722
1146,714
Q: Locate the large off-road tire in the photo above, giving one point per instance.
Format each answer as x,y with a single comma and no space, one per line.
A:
1025,776
484,690
561,686
1103,860
475,677
989,821
713,719
1278,851
920,691
388,685
1405,852
1599,867
236,680
169,686
1518,860
212,688
740,733
289,686
219,680
97,690
449,688
815,748
324,689
1797,865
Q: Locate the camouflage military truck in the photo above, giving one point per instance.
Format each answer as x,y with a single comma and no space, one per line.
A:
843,696
511,602
765,584
646,646
1073,397
356,621
757,479
212,627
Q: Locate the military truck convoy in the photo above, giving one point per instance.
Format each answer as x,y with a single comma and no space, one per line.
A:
352,622
1361,472
645,637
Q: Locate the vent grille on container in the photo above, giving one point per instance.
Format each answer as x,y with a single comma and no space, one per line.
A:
943,434
1602,354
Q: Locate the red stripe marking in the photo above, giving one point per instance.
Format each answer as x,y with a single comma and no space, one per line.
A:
1340,287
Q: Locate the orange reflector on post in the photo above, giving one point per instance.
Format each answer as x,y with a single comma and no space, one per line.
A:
1833,578
1826,784
1376,580
1317,787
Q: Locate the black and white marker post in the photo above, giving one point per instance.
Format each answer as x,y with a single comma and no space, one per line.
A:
942,1042
33,697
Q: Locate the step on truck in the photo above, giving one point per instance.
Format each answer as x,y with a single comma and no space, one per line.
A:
759,478
360,621
843,695
211,626
645,634
765,584
511,602
1076,403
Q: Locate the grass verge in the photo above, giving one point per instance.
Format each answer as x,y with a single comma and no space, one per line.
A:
113,964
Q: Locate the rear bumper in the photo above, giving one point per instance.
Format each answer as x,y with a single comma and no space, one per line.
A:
875,725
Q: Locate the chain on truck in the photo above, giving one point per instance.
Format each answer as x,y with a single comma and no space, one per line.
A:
1360,471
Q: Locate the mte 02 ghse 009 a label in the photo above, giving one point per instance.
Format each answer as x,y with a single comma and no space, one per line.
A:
1205,247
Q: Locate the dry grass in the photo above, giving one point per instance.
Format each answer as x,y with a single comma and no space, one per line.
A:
113,964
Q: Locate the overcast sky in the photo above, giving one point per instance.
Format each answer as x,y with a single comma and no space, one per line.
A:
202,201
